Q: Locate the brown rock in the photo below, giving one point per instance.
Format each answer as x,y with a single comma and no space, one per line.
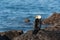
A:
41,35
55,18
11,34
27,36
2,33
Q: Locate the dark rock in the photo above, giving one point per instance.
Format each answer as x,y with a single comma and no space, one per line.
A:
49,35
4,37
26,20
11,34
41,35
2,33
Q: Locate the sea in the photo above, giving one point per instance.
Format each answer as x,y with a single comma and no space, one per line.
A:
14,12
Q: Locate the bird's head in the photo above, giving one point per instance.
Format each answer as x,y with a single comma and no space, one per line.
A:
38,17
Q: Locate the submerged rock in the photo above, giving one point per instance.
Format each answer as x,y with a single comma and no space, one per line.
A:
26,20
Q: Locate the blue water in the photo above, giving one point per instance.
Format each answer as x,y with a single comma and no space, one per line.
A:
13,12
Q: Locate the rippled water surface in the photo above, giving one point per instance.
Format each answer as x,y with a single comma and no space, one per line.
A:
13,12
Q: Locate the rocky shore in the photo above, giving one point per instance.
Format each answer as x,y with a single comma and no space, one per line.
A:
53,19
41,35
49,33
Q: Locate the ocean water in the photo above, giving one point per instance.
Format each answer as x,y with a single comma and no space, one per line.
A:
13,13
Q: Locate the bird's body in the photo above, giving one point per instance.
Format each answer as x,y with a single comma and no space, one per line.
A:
37,25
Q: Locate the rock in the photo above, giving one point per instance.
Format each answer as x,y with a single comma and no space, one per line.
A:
27,36
48,35
55,27
26,20
11,34
4,37
41,35
20,32
55,18
2,33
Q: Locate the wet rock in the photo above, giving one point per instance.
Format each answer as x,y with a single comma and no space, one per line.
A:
55,18
26,20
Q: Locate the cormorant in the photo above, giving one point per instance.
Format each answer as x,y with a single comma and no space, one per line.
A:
37,25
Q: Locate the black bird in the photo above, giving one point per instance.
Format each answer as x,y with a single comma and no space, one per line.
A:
37,25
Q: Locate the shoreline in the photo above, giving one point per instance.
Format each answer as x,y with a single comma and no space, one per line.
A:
48,33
